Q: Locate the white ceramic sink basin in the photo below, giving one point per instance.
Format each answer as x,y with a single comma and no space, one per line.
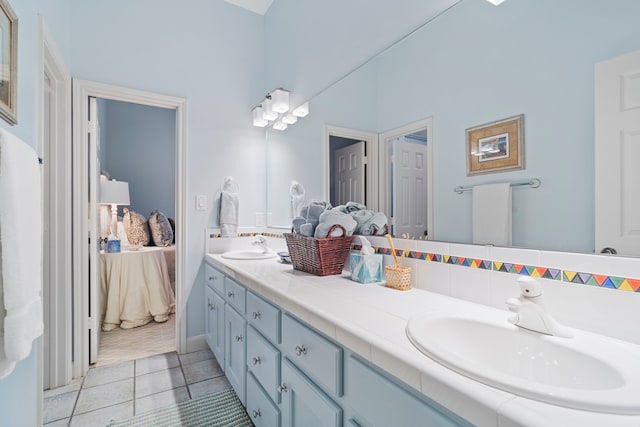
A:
589,371
249,255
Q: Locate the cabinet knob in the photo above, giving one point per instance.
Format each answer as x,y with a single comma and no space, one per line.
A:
238,338
257,360
256,315
282,388
256,413
300,350
230,294
212,277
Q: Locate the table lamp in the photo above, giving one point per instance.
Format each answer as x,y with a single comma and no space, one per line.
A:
114,193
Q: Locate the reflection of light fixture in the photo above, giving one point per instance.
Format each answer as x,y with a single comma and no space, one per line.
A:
289,119
495,2
275,110
279,125
302,110
280,99
114,193
258,119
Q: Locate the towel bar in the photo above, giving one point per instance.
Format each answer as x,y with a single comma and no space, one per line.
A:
533,183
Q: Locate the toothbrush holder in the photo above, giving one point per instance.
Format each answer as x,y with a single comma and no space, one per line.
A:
398,277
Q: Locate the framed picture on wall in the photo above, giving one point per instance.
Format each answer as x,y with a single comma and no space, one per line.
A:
8,59
496,146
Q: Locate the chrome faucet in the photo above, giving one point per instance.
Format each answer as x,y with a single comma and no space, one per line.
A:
530,313
263,243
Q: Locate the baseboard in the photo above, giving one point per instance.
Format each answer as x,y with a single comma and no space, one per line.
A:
196,343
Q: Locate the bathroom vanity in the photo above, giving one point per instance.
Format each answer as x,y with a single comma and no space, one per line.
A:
326,351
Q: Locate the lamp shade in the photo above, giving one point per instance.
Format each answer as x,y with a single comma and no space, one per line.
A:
279,125
114,192
280,99
258,120
302,110
267,110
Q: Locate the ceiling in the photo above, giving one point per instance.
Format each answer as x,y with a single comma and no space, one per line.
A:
257,6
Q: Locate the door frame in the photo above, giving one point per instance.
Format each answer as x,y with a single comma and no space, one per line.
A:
385,166
57,295
82,90
371,143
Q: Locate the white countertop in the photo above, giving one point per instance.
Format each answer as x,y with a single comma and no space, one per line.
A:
370,320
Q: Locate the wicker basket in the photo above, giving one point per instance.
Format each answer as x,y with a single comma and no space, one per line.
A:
398,277
320,256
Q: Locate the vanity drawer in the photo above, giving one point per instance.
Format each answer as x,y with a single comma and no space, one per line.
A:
312,353
263,360
262,411
214,279
264,317
235,294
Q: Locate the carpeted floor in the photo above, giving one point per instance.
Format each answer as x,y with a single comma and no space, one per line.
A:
218,409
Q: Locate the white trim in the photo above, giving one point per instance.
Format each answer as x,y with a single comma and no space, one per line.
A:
196,343
385,169
82,90
371,143
58,169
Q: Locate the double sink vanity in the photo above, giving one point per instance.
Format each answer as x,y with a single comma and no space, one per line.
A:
312,351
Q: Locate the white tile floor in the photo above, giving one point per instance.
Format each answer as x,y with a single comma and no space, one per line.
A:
130,378
124,389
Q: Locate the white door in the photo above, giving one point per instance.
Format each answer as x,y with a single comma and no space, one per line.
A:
94,230
617,154
409,191
349,174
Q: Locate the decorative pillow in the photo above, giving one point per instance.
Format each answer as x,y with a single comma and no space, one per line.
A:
136,228
161,231
173,228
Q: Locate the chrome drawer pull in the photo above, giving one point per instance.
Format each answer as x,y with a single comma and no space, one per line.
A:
257,360
282,388
238,338
212,277
257,413
300,350
256,315
230,294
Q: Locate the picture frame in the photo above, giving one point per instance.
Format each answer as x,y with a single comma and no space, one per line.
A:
496,147
8,62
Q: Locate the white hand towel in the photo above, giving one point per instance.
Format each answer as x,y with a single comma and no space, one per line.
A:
229,203
21,241
492,214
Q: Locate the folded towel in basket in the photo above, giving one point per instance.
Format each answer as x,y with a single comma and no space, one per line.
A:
331,217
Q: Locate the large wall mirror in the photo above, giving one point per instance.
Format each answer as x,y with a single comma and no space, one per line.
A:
477,64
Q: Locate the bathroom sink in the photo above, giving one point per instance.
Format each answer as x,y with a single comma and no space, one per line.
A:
249,255
588,371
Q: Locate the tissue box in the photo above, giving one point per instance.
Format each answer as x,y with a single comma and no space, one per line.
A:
366,268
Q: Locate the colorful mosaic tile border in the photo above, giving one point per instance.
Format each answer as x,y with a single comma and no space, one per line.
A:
590,279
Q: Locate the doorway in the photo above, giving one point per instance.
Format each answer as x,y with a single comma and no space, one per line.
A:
85,225
407,179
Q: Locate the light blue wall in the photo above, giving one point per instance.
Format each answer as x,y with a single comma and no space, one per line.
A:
19,391
140,149
209,52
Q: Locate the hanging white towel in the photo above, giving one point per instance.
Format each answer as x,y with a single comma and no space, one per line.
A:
229,203
492,214
21,243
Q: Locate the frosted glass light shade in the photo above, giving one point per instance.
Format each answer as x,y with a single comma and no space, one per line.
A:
258,120
114,192
495,2
267,110
279,125
280,100
302,110
289,119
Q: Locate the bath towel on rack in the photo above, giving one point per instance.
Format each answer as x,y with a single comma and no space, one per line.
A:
229,205
492,214
21,251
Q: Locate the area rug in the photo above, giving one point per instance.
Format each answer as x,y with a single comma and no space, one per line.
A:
219,409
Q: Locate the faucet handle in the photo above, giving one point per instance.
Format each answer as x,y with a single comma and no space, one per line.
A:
529,287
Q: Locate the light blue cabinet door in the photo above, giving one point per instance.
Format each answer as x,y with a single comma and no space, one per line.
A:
235,357
303,403
209,325
216,319
263,412
263,360
214,278
378,401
